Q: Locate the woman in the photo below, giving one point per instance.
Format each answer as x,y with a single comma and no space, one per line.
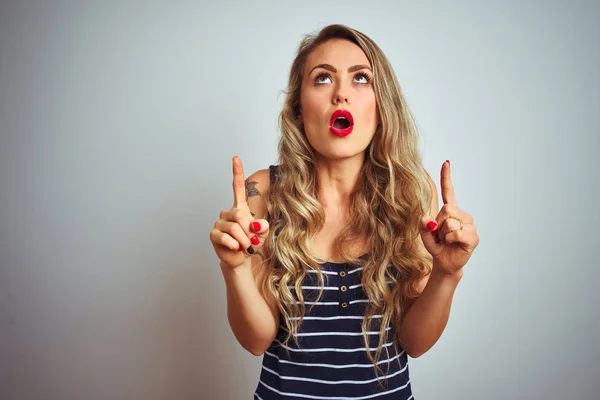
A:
338,262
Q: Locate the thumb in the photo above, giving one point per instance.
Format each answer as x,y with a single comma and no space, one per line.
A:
428,230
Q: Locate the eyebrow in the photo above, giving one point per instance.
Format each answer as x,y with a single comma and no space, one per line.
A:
331,68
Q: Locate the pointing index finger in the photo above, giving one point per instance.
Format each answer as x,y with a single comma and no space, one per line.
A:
239,186
447,187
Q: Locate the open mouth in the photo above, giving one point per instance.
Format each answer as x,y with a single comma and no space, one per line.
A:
341,123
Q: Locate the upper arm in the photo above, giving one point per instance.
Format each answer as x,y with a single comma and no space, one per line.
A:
257,188
433,211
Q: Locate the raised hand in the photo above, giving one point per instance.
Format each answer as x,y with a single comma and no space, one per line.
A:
237,234
451,237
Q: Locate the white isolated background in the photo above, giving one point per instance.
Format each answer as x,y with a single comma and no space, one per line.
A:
118,121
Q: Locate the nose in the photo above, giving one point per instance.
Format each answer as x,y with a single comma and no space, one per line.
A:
340,96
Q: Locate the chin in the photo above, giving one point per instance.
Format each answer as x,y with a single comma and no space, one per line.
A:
341,153
332,147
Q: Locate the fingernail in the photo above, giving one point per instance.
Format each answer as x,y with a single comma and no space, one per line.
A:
437,239
240,248
250,250
448,161
256,226
431,225
255,240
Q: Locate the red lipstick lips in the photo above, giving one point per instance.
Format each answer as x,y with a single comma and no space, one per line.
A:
341,123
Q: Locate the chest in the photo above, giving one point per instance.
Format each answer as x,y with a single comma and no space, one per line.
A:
323,244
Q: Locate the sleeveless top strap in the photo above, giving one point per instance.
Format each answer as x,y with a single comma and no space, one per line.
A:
272,175
273,172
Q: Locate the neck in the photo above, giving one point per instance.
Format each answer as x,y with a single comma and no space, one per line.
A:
337,179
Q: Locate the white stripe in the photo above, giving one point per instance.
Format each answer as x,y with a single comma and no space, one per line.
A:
321,303
298,378
259,398
328,287
312,271
358,301
332,349
308,396
339,333
355,270
332,303
332,318
318,287
369,365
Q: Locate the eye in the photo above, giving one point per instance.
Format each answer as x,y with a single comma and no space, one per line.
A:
362,78
322,79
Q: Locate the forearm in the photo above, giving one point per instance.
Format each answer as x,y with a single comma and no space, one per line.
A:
426,319
249,315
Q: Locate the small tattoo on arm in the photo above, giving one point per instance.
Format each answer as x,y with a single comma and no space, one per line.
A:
251,189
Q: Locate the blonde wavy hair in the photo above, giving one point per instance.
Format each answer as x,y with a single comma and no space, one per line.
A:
386,204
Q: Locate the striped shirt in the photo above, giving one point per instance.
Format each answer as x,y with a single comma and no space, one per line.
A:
330,361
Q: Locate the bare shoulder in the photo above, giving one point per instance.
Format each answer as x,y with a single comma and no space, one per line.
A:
257,188
431,184
433,212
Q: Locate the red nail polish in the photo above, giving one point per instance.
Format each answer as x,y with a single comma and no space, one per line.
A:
240,248
448,161
431,225
255,240
256,226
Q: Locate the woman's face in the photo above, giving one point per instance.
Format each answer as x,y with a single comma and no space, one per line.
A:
338,76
